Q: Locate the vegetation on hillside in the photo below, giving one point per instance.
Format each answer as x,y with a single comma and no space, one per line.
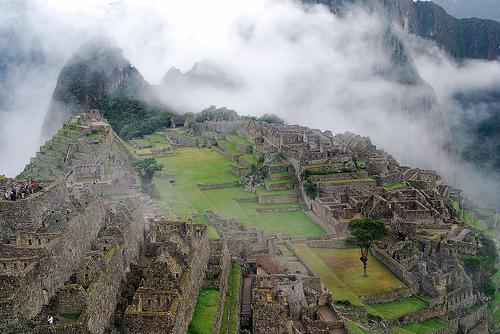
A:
131,117
213,113
482,267
271,118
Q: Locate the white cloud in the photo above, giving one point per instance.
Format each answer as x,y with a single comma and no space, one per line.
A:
304,64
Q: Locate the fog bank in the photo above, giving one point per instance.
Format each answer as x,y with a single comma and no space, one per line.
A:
299,62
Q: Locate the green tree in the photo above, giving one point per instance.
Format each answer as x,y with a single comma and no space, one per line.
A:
364,232
311,189
146,169
256,175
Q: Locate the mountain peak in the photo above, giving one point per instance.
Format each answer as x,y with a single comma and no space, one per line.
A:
96,69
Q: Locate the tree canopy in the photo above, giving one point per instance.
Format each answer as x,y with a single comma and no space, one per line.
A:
364,232
146,169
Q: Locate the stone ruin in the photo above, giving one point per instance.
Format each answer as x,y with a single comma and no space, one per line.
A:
69,248
166,298
356,179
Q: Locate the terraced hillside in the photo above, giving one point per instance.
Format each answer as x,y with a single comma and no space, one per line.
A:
341,271
205,179
301,188
76,144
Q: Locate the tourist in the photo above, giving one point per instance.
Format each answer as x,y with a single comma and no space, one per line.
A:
13,193
22,192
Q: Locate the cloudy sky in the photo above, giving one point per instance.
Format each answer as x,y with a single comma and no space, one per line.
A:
304,64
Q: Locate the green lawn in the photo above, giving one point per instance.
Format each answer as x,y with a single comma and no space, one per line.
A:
470,219
281,175
347,266
205,312
263,191
355,328
400,307
230,315
238,139
230,147
192,166
250,157
338,288
397,185
341,271
425,327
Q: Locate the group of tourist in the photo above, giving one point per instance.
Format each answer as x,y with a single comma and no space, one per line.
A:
23,191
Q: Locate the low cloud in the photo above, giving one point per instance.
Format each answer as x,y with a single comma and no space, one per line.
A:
302,63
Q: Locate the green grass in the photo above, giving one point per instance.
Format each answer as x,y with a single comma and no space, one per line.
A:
339,289
279,181
397,185
250,157
400,307
284,249
425,327
230,147
205,312
355,328
279,175
155,137
229,322
263,191
496,318
71,315
347,266
193,166
144,151
470,219
341,271
240,140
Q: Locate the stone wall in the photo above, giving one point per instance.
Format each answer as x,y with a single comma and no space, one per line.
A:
388,178
217,185
387,297
339,176
331,243
59,262
103,291
417,316
330,187
396,269
269,199
27,213
177,317
223,286
72,299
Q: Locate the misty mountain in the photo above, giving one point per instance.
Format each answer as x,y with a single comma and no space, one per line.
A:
99,76
202,74
20,50
461,38
476,128
485,9
96,70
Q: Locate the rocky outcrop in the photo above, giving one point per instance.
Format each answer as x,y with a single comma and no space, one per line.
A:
461,38
94,71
